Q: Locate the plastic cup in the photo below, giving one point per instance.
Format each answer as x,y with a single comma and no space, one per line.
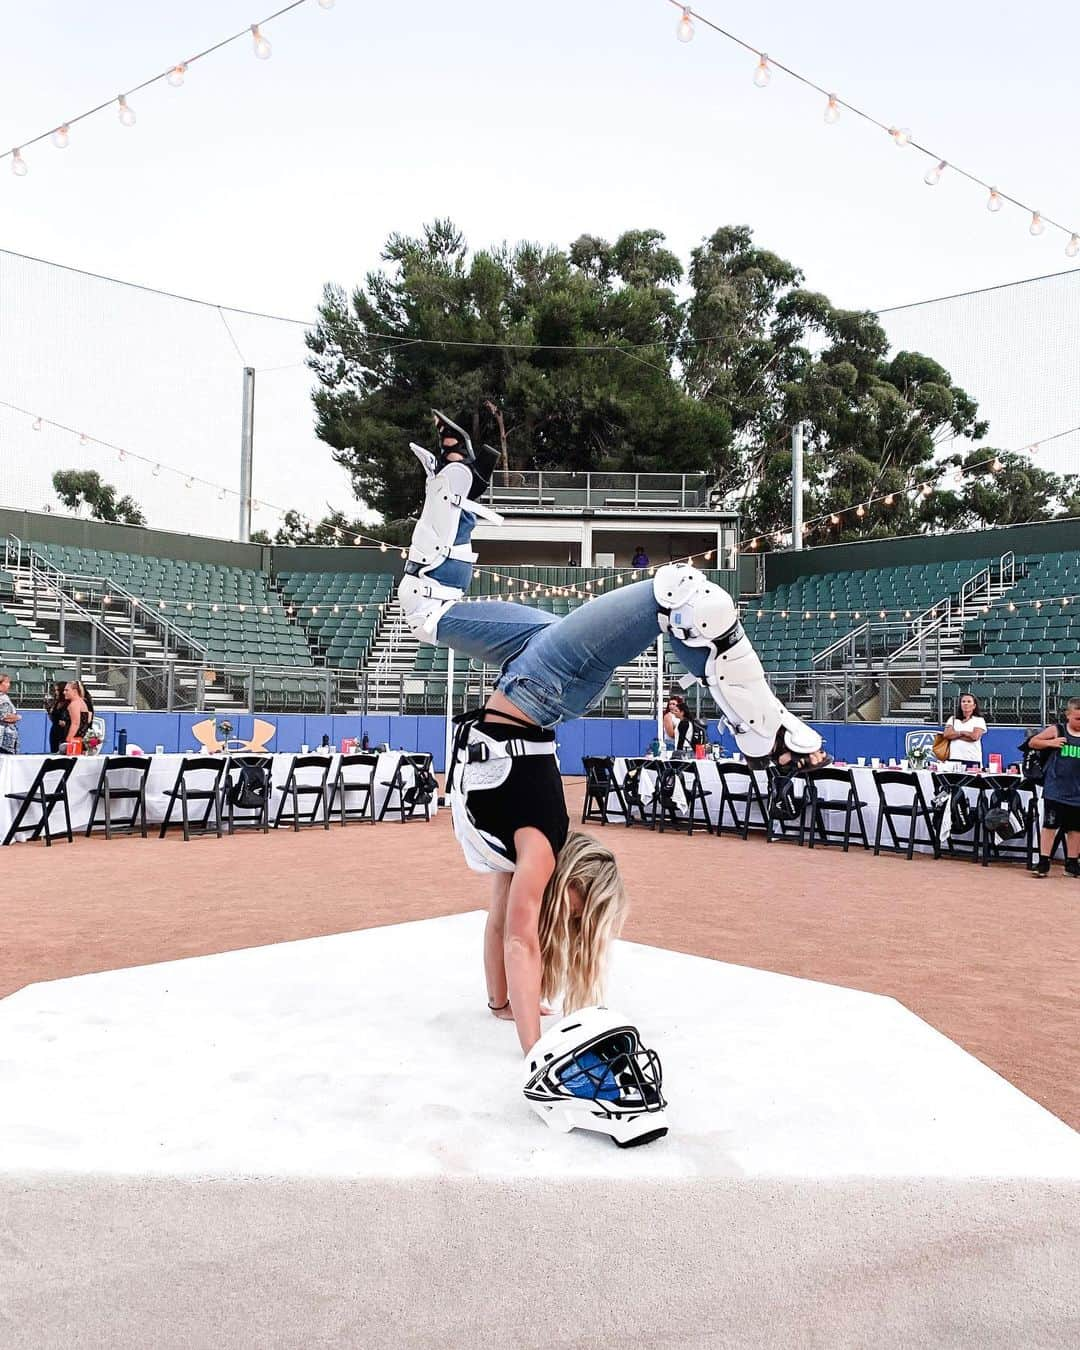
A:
304,749
159,749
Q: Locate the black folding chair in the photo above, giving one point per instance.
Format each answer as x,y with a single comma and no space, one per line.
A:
196,768
360,784
1022,847
406,792
739,788
965,843
631,792
786,805
674,775
47,791
913,808
832,790
133,771
600,786
250,815
315,788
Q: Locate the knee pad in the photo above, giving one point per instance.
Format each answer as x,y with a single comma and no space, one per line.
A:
702,614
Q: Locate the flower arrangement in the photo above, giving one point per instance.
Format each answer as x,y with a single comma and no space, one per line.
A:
919,756
92,742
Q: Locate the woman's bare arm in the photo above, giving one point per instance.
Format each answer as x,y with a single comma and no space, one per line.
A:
494,942
535,864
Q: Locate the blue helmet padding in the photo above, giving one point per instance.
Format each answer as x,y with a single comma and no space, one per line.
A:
590,1076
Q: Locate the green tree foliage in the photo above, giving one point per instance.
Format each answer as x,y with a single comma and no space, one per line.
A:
79,487
615,407
611,358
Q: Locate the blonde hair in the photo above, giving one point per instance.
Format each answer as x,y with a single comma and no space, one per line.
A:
573,948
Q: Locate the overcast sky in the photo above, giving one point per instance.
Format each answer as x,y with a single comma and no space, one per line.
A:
260,180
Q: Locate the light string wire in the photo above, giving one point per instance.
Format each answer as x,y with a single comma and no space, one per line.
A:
900,136
358,539
120,100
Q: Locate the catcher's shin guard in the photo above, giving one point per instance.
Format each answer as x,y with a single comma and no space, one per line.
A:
702,614
440,558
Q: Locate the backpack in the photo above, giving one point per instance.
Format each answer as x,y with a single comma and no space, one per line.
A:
250,787
1035,761
1005,818
955,801
423,789
786,804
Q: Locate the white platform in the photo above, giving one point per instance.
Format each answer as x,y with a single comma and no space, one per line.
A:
323,1143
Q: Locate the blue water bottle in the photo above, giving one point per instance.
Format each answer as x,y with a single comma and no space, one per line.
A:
121,741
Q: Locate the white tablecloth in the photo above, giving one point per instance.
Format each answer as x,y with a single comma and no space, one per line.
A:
17,772
865,788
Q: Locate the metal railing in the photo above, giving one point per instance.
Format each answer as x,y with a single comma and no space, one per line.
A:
1028,694
562,490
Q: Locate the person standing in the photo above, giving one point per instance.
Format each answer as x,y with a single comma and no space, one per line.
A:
964,732
9,718
640,558
676,723
1061,790
56,705
79,712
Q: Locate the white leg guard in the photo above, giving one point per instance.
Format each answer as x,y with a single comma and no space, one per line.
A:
425,600
702,614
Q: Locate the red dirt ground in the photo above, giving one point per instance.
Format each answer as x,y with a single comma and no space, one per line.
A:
987,955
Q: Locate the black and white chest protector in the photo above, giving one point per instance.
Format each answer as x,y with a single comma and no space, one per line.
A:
482,763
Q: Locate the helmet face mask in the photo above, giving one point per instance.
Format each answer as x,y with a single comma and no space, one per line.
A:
591,1072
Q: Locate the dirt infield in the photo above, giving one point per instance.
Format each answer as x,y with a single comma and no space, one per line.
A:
987,955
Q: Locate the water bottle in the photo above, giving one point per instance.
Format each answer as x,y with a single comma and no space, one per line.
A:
121,741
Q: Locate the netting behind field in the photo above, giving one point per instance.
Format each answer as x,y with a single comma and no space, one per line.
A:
161,378
1016,350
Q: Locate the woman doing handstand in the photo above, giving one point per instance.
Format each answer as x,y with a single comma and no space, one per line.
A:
558,898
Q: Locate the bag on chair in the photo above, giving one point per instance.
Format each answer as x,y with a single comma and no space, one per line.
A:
1005,818
250,788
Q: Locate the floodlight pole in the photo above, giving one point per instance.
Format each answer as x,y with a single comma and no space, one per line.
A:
796,486
247,450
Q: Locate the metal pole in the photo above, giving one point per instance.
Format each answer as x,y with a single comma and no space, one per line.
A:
796,486
449,734
247,445
660,690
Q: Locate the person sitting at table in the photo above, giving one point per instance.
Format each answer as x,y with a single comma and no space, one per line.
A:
9,718
964,732
56,705
676,722
80,711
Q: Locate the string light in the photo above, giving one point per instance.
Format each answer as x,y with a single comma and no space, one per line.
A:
901,136
1072,248
860,510
18,164
832,110
932,177
263,49
176,75
1036,226
993,202
125,111
685,29
326,4
763,73
61,136
37,423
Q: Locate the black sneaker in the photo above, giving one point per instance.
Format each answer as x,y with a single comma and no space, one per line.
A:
1072,867
1043,868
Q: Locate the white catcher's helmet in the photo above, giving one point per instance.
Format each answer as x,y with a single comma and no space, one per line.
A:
591,1071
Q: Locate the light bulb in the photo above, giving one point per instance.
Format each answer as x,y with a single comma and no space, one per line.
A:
927,490
901,135
1033,449
932,177
1036,226
157,471
60,137
1072,248
993,202
221,495
383,547
889,499
763,74
860,510
685,30
126,113
834,519
832,110
262,47
18,164
176,75
37,423
996,466
326,4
